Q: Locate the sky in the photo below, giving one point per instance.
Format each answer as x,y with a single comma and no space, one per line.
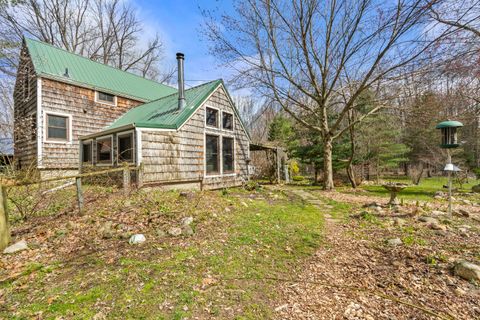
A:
178,23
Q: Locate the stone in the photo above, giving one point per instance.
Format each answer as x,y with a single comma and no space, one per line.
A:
466,201
394,242
476,188
460,292
463,232
371,205
439,194
437,226
227,209
442,233
467,270
175,231
106,230
99,316
137,239
17,247
464,212
161,233
187,230
437,213
427,219
187,221
399,222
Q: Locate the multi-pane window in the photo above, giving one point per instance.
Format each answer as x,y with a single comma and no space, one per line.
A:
212,117
104,150
125,147
57,127
105,97
227,154
87,152
227,121
211,154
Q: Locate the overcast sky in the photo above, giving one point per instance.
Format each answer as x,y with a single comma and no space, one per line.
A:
178,23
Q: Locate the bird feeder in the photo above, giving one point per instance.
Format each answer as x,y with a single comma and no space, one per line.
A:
449,133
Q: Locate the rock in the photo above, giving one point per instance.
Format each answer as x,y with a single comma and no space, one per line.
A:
186,195
466,201
17,247
175,231
394,242
378,209
106,230
439,194
371,205
399,222
467,270
460,292
161,233
476,188
227,209
137,239
463,232
280,308
187,230
427,219
187,221
442,233
437,226
99,316
437,213
464,212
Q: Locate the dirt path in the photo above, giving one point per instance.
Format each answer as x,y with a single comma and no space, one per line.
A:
357,276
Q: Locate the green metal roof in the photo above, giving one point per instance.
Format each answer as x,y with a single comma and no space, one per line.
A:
449,124
163,113
51,62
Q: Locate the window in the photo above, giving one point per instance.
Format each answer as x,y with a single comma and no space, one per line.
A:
105,98
212,117
211,154
227,154
87,152
227,121
125,147
57,127
104,150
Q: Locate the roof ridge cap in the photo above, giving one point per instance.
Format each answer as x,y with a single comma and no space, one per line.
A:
103,64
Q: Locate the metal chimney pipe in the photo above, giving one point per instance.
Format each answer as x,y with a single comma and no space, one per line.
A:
181,81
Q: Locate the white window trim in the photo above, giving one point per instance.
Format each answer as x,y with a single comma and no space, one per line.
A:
82,142
220,153
97,100
104,164
233,121
69,129
219,118
121,134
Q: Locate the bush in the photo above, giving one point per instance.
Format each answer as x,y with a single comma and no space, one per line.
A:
477,173
298,178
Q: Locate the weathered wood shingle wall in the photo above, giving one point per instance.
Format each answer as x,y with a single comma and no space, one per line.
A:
88,117
25,113
170,156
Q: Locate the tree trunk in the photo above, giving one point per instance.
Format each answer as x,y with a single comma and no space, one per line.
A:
327,164
351,175
350,171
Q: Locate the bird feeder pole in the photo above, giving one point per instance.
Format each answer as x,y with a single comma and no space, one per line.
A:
449,141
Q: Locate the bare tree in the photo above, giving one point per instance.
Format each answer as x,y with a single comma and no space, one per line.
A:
307,54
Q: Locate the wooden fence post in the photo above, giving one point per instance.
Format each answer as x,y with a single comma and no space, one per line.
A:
78,182
126,180
4,227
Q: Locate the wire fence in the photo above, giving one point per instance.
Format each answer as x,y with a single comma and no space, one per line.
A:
27,195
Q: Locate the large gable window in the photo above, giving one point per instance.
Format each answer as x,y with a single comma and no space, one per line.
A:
57,127
211,154
104,150
227,154
227,121
125,147
211,117
107,98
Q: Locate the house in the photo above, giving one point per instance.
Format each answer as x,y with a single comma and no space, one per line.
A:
71,112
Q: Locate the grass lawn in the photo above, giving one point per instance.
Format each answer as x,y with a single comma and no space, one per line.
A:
423,192
216,273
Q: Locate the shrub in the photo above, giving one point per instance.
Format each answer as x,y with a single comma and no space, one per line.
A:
298,178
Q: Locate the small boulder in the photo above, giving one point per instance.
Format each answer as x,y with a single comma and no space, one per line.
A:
437,213
439,194
464,212
19,246
394,242
187,230
161,233
466,201
227,209
187,221
175,231
467,270
476,188
399,222
137,239
427,219
437,226
106,230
